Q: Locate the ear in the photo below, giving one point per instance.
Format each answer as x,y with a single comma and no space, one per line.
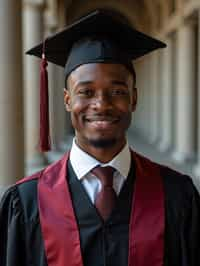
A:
67,100
134,99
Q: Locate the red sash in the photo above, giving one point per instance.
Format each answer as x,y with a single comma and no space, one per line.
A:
59,227
147,225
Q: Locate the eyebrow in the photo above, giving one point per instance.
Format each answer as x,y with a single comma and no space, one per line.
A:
82,83
113,82
118,82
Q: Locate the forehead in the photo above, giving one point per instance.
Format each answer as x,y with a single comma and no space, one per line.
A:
94,71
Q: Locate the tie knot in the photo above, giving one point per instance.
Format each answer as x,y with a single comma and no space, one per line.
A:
105,174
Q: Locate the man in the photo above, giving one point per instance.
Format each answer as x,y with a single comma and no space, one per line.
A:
129,211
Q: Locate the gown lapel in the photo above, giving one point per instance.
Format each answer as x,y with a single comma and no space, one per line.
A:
59,226
147,225
58,223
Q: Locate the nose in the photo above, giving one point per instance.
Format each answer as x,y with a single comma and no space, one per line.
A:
102,101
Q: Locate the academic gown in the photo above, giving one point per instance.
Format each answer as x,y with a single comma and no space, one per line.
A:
21,241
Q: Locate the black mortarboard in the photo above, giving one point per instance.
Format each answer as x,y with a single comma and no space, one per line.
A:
100,36
101,23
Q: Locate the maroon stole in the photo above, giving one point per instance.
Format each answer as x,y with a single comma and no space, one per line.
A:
59,226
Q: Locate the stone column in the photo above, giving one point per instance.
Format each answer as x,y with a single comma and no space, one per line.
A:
11,93
196,169
146,121
64,130
159,98
185,94
50,25
138,116
166,87
58,119
33,34
60,124
154,99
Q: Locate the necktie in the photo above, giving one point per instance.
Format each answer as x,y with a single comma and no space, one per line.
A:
106,198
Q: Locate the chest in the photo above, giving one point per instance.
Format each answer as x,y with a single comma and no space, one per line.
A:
108,241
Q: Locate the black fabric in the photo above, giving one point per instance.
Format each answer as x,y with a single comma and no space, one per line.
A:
21,242
129,43
97,49
182,220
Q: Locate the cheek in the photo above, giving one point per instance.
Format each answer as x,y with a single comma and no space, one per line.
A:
78,108
124,106
78,105
126,111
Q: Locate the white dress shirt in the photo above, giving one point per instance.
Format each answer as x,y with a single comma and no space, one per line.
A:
82,163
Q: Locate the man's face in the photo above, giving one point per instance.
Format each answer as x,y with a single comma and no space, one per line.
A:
101,98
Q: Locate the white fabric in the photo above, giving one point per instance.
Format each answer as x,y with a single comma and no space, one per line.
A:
82,163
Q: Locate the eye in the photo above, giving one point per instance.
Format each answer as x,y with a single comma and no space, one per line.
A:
88,92
119,92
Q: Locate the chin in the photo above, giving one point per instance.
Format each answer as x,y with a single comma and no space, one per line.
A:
102,143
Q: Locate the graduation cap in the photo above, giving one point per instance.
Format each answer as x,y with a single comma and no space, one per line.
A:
101,36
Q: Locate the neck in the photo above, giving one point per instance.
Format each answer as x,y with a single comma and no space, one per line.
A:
103,155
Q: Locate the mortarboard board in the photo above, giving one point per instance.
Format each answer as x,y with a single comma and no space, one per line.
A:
102,23
101,36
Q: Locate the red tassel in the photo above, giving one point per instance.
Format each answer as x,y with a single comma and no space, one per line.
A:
45,142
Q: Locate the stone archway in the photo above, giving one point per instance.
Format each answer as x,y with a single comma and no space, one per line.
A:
136,12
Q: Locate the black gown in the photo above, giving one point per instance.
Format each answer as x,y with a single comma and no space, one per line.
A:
21,242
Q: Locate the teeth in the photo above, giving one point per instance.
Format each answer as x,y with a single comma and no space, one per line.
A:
101,120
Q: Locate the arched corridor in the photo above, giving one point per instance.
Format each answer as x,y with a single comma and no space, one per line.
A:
166,125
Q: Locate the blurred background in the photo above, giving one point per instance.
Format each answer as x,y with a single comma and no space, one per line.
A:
166,125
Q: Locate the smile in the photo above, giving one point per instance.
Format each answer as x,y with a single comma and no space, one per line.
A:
101,122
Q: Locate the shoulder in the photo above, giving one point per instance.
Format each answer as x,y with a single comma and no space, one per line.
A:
9,199
20,201
175,177
178,184
27,186
24,194
174,181
181,195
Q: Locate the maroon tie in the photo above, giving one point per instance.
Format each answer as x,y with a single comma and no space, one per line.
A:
106,198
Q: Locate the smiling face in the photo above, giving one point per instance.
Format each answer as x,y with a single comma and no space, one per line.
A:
101,98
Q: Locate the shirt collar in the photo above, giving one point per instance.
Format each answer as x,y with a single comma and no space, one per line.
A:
83,163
